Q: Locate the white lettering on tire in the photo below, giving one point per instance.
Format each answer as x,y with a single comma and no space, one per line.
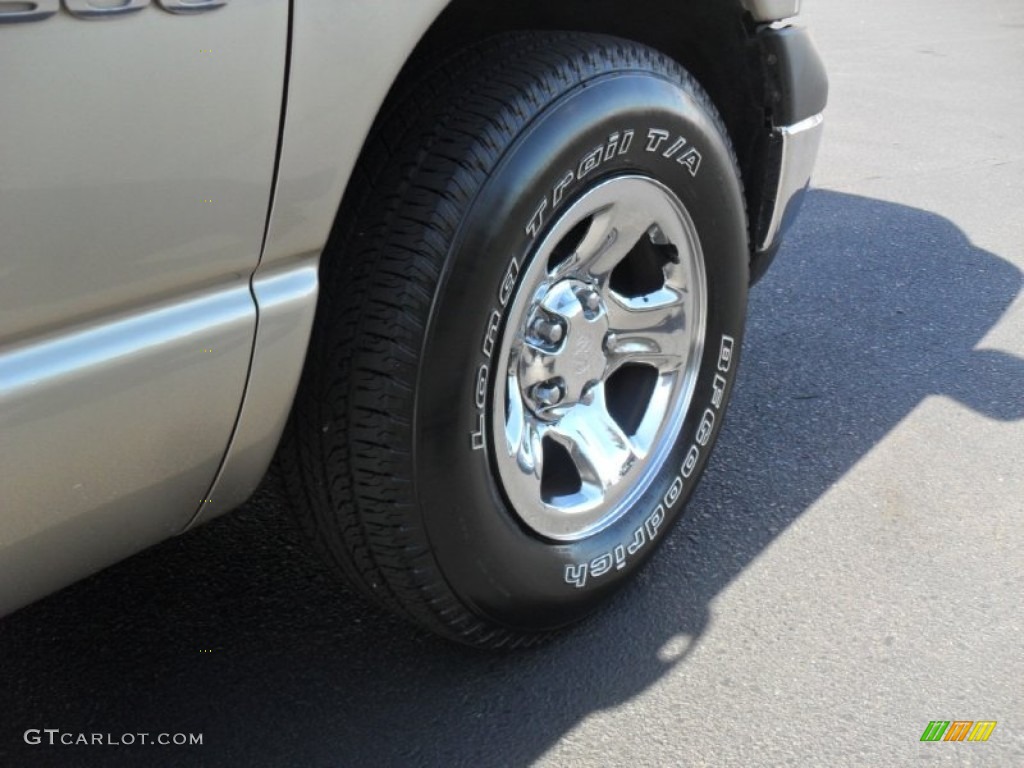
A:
691,158
617,144
578,574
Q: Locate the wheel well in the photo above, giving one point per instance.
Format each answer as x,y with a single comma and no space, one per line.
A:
713,39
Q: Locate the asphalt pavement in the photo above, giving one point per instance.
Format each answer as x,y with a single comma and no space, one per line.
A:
850,569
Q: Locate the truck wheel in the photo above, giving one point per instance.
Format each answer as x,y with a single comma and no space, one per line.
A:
530,316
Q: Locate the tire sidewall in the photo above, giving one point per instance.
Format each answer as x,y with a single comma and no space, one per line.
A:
494,564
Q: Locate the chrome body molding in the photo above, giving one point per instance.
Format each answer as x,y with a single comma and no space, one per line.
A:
799,148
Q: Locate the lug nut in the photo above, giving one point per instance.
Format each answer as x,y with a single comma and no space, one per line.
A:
548,331
548,393
591,300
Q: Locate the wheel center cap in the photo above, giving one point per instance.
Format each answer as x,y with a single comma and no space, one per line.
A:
564,355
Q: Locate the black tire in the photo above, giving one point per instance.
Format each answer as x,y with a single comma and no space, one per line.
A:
379,454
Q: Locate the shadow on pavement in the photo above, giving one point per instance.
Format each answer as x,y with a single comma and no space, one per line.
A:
871,308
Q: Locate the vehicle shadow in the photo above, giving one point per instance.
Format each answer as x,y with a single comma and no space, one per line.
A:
237,632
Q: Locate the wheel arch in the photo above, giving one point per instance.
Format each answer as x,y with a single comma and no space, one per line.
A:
382,455
334,98
713,39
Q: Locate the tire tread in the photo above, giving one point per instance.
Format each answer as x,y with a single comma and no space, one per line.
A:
346,458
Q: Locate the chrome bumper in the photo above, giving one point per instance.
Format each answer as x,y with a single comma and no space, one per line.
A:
796,92
799,148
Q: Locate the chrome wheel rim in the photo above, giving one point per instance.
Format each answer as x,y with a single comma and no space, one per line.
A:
599,358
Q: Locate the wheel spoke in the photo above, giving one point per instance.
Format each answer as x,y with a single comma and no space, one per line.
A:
613,232
524,444
650,330
602,452
531,456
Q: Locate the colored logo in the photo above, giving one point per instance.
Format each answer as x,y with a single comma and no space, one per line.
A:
958,730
